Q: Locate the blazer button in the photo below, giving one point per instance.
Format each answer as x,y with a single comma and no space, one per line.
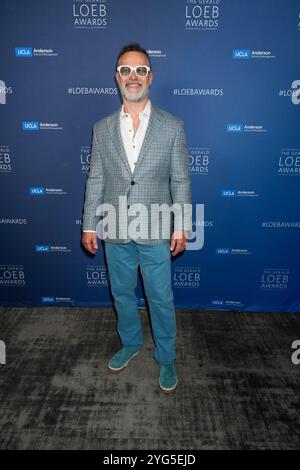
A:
132,182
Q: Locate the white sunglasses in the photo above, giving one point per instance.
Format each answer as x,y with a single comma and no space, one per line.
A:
140,70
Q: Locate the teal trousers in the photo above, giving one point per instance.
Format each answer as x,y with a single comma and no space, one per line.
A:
123,260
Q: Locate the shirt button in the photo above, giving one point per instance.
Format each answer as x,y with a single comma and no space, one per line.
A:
134,146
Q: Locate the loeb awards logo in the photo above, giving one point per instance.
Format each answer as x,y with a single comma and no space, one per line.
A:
5,159
97,276
275,279
90,14
199,159
201,14
12,275
186,277
85,157
289,162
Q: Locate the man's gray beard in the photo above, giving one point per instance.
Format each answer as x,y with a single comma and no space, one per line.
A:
134,98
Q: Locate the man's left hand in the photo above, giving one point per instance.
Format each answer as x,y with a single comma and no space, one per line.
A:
178,242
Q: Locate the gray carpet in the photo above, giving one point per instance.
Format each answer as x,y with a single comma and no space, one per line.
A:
238,388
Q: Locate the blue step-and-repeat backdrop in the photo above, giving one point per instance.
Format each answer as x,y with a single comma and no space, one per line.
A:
229,68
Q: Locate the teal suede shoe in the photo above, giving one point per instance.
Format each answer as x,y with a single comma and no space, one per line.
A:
167,378
121,359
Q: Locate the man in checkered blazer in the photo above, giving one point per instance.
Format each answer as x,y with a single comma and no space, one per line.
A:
139,175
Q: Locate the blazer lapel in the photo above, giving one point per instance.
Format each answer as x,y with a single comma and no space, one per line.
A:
152,129
114,129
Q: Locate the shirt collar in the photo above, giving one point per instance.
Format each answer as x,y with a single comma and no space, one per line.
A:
145,113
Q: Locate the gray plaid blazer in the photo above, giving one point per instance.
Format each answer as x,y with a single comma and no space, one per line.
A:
161,176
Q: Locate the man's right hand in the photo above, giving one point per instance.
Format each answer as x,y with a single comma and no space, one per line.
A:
89,241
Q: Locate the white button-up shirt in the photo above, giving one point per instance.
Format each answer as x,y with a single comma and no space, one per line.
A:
133,141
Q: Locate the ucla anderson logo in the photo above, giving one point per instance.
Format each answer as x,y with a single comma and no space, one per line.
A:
217,302
40,126
30,126
43,191
42,248
232,128
228,193
222,251
250,54
34,52
48,300
23,51
36,191
241,54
